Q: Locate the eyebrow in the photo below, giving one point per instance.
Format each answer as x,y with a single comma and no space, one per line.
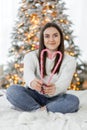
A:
49,34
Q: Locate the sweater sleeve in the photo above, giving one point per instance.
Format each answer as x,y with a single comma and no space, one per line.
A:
65,76
29,68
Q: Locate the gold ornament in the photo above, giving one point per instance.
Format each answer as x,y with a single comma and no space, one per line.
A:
65,21
75,74
71,53
34,18
61,20
67,37
54,14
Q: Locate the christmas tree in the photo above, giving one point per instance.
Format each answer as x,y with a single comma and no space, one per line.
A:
32,15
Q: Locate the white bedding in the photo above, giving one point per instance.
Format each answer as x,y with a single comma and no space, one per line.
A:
11,119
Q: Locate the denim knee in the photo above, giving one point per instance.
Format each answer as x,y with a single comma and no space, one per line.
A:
12,89
72,102
9,91
65,104
76,102
18,96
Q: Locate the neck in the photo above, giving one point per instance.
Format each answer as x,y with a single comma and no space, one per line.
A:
50,55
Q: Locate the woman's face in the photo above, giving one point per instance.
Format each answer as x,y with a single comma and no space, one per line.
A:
51,38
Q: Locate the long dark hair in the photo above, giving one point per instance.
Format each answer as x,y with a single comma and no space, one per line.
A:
42,46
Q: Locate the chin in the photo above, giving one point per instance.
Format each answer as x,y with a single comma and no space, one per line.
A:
52,50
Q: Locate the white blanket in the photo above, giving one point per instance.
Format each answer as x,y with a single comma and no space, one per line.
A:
12,119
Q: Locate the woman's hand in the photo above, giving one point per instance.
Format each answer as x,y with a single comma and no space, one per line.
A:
49,89
36,84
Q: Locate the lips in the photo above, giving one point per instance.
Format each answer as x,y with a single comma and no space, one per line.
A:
52,43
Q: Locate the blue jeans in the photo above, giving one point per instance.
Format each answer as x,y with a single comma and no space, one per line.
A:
28,100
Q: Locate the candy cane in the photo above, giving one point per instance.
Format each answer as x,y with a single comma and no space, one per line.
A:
55,68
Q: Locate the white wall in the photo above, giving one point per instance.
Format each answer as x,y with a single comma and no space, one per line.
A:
77,14
77,11
8,12
83,33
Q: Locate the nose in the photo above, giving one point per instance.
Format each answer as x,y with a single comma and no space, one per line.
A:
51,38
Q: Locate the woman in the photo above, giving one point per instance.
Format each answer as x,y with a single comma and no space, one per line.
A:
54,97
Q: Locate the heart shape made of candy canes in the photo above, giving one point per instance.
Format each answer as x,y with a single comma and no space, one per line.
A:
56,66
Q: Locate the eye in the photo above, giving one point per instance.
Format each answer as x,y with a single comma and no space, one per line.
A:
46,36
55,35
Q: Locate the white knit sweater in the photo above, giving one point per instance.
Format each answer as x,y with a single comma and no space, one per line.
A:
61,80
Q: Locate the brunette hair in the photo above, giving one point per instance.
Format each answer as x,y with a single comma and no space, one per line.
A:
42,46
